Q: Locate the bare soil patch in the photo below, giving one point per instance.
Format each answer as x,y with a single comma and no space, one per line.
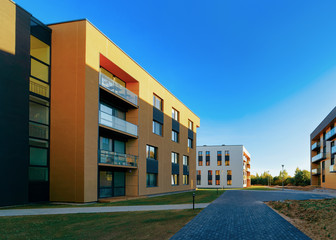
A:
316,218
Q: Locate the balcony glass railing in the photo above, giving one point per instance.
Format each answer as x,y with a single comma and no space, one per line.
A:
316,171
114,158
318,157
117,123
315,146
332,168
333,150
331,133
116,88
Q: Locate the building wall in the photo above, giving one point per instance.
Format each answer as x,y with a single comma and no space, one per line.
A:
14,103
67,128
97,43
317,136
76,50
236,166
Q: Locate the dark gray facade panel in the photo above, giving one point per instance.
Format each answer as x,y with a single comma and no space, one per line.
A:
185,170
190,134
176,126
331,116
14,115
175,168
157,115
152,166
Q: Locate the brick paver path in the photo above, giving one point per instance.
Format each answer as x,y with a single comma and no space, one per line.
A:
243,215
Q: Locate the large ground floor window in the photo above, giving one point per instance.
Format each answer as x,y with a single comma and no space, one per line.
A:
111,183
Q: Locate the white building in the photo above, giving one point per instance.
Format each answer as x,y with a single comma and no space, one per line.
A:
223,166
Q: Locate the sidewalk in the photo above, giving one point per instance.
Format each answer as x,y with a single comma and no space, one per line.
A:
53,211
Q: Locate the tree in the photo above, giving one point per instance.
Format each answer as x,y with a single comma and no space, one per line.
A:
301,177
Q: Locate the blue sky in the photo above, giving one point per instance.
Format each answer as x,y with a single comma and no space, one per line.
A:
258,73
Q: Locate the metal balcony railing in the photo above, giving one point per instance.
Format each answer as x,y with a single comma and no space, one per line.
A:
316,171
39,88
120,159
117,89
117,123
331,133
319,157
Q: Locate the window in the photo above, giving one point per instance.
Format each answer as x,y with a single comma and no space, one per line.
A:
175,115
174,136
185,179
207,158
38,156
198,177
209,177
151,152
190,143
219,158
174,179
39,111
332,159
217,177
157,102
190,125
151,179
185,160
112,145
200,158
109,111
323,171
229,177
175,158
227,158
39,70
157,128
38,174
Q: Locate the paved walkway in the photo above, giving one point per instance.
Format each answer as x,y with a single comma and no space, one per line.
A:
52,211
243,215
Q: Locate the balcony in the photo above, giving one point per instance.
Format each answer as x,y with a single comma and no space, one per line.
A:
315,146
117,89
319,157
118,124
332,168
118,159
331,134
333,150
316,171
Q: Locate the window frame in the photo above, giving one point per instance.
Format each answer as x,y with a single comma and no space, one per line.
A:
156,97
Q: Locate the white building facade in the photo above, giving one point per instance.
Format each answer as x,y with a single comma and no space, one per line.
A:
223,166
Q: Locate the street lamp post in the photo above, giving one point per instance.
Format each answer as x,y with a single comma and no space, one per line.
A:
282,177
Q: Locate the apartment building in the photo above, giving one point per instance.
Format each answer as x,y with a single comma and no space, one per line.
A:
87,121
323,152
223,166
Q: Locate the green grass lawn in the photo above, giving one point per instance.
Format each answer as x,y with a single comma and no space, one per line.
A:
202,196
126,225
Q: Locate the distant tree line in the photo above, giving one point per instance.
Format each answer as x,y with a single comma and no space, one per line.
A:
301,178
